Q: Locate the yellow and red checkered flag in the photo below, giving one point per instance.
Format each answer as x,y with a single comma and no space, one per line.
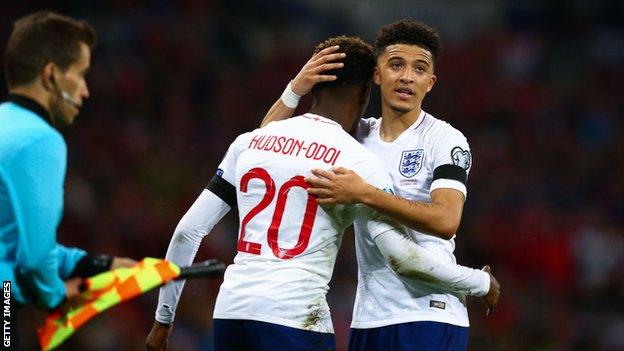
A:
110,288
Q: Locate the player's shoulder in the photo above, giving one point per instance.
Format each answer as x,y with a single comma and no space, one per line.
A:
244,137
439,129
286,123
363,161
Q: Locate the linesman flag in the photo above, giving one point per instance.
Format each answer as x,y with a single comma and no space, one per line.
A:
110,288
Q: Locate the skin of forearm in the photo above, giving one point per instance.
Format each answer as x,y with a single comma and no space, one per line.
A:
277,112
429,217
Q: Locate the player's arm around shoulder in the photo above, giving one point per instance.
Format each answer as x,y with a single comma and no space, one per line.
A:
450,160
340,185
440,217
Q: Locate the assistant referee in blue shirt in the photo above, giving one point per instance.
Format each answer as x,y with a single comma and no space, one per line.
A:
46,59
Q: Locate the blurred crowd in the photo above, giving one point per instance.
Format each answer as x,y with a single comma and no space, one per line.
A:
536,88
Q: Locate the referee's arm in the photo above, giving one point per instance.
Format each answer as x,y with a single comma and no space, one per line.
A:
36,176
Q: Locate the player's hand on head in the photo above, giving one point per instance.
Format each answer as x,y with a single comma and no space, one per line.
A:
158,337
122,262
337,186
313,71
491,299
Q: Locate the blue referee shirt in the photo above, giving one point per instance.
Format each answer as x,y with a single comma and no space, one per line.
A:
33,159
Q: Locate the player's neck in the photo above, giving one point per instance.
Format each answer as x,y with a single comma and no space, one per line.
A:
340,113
394,122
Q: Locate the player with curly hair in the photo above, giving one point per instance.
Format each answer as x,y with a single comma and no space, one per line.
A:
273,296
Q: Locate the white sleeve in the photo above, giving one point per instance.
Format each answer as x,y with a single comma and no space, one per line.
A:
409,259
207,211
451,159
227,167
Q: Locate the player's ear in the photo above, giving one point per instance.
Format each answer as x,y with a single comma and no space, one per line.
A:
376,76
432,81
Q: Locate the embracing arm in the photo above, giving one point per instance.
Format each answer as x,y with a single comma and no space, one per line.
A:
410,260
310,75
440,217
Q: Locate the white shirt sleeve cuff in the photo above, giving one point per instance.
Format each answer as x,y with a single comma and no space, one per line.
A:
164,315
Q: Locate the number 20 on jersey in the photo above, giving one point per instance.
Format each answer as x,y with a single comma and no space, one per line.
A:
273,231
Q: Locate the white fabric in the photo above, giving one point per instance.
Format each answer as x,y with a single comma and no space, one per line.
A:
448,184
205,212
286,290
410,260
382,297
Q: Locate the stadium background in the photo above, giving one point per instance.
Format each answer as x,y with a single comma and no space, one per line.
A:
535,86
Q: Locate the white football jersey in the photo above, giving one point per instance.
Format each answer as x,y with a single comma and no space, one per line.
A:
288,244
382,297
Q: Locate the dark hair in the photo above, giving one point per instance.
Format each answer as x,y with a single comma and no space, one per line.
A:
40,38
358,64
411,33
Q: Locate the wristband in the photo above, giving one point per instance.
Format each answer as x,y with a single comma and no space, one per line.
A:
289,98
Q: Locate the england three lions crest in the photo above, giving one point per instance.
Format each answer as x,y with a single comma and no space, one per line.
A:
411,162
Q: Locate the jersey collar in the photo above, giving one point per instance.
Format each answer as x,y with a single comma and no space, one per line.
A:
319,118
29,104
419,121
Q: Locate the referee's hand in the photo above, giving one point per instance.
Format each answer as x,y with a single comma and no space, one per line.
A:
158,337
73,298
72,288
123,262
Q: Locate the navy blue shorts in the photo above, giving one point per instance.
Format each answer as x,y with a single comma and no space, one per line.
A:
420,336
247,335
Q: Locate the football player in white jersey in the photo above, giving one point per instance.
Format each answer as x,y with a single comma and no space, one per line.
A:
429,161
273,296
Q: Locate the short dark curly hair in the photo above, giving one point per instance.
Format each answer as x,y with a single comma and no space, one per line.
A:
358,64
411,33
